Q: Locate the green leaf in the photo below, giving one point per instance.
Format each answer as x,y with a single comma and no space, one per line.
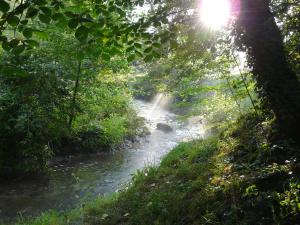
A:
40,2
32,43
4,6
106,56
82,33
173,44
41,34
130,42
106,13
57,16
164,40
146,35
18,50
73,23
157,24
156,45
47,11
131,58
21,28
101,23
80,55
27,32
155,55
165,20
115,51
121,12
24,22
147,50
148,58
14,71
129,49
6,46
70,14
138,45
13,20
44,18
31,12
14,43
139,53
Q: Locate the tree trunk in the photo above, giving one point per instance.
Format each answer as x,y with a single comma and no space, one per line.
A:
261,36
73,103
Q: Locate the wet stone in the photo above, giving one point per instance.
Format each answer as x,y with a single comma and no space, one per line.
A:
164,127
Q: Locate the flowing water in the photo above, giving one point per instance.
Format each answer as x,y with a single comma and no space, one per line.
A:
83,177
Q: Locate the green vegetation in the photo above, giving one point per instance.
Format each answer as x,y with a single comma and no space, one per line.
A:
52,217
69,71
237,179
58,95
47,109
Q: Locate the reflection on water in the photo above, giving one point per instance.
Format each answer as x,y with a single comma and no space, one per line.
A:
83,177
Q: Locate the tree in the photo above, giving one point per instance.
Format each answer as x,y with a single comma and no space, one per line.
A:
257,30
257,33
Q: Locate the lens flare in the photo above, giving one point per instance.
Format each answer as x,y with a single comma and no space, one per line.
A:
215,13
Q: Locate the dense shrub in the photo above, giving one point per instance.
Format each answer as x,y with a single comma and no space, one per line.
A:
48,107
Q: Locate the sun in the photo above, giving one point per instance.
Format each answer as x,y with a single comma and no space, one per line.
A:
215,13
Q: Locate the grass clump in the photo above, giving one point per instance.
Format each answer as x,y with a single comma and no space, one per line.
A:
159,195
52,217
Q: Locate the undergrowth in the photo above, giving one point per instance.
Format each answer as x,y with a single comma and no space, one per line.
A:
238,178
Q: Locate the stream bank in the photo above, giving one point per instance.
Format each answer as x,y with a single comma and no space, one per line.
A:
83,177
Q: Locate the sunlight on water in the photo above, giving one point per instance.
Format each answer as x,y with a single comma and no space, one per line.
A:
159,102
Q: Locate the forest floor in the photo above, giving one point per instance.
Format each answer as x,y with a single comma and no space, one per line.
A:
237,178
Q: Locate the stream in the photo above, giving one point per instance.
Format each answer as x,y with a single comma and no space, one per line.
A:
83,177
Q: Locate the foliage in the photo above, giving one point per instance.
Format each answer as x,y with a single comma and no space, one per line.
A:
107,25
216,85
61,88
31,92
113,129
39,97
52,217
288,14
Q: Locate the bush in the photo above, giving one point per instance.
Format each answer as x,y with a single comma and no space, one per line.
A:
114,130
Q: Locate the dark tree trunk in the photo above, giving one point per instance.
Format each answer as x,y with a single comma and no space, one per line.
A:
259,33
